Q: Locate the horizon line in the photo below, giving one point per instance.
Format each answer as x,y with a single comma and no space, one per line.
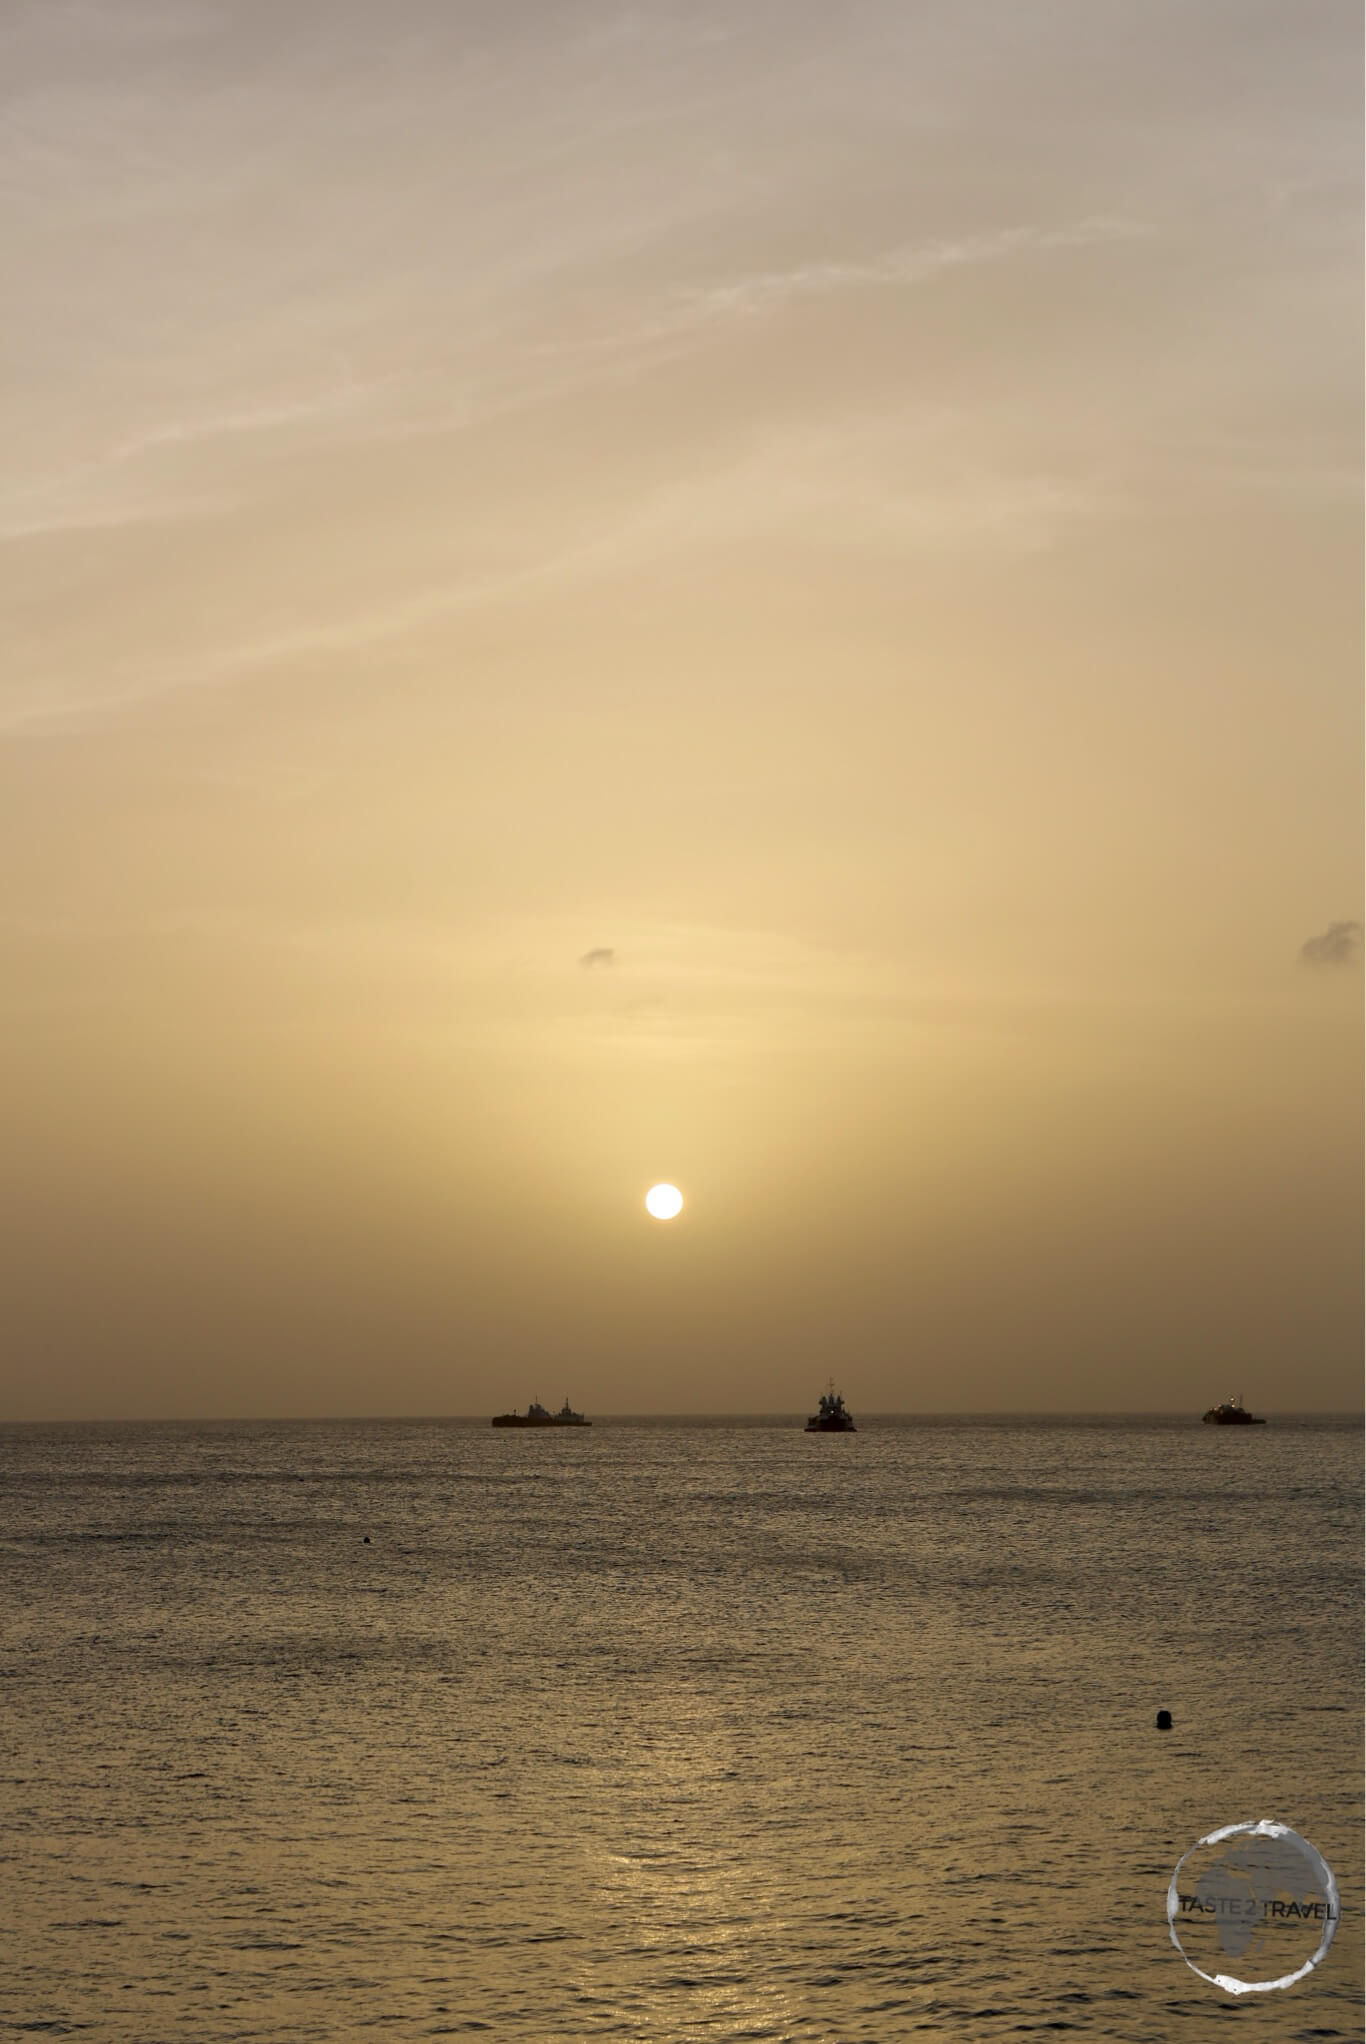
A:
1003,1413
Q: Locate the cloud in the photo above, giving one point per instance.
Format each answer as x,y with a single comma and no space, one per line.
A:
119,486
909,263
601,954
779,480
683,316
1340,944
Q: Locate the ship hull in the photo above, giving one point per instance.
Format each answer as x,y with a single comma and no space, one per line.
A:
519,1419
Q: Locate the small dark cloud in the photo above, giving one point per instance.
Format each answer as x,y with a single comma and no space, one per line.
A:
1340,944
603,954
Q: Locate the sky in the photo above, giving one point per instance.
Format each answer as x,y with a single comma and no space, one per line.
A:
744,593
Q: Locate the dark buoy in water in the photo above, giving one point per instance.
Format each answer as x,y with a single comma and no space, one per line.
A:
1164,1721
367,1542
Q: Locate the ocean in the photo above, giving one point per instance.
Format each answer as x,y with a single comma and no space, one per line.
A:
664,1730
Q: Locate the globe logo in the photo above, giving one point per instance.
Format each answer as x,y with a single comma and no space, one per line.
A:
1257,1895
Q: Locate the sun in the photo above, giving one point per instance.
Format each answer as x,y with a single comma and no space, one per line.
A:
664,1201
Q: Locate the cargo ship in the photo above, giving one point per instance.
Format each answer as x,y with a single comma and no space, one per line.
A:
537,1416
830,1416
1232,1413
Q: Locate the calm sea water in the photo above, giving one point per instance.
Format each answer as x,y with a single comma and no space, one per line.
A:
663,1731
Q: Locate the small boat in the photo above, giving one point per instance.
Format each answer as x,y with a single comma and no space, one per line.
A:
830,1416
537,1416
1232,1413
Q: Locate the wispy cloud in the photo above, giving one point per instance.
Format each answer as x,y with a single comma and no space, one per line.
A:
80,23
781,482
679,318
908,264
124,485
306,410
113,487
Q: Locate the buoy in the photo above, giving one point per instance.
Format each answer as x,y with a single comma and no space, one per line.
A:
1164,1721
367,1542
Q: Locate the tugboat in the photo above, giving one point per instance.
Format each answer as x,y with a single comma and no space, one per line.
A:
537,1416
830,1416
1232,1413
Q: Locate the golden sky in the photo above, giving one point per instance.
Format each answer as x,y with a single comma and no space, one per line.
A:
756,594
